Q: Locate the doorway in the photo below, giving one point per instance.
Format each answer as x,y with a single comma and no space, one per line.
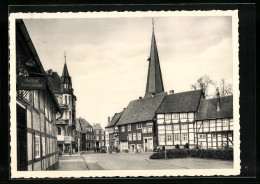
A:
21,139
132,148
148,144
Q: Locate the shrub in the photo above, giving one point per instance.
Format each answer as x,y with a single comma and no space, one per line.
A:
177,146
172,153
158,155
224,154
187,146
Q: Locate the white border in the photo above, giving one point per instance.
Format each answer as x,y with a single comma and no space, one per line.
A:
124,173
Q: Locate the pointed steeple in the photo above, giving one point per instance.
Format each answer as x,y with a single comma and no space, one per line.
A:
65,74
154,79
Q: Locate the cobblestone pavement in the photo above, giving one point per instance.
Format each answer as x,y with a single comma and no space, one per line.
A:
141,161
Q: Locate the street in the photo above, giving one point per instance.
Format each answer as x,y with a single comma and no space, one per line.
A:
136,161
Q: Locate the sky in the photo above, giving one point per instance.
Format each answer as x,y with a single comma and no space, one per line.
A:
107,57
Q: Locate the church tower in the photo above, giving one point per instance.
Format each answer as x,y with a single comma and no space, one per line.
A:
66,84
154,83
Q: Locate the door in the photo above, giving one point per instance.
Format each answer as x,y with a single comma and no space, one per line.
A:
21,139
150,144
133,148
145,145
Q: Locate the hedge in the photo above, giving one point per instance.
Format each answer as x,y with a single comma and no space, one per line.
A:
223,154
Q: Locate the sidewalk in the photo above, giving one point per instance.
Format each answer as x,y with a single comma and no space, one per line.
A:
71,163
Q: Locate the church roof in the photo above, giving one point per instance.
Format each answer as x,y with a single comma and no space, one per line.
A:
154,78
141,110
115,119
180,102
208,108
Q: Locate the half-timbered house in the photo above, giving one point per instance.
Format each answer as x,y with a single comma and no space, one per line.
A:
176,119
36,108
214,123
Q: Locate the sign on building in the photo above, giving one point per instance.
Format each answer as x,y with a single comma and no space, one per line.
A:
30,83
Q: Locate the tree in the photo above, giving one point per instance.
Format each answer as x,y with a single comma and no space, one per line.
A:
224,88
203,84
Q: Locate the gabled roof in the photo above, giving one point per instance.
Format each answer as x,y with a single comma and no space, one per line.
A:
84,124
55,82
180,102
97,126
154,82
208,108
114,120
141,110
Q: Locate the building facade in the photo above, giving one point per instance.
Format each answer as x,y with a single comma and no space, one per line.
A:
112,133
87,134
36,108
176,119
62,87
214,123
99,136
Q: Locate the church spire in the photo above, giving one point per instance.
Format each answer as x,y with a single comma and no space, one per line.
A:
65,74
154,79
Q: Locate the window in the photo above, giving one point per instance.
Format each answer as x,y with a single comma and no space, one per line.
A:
130,137
184,137
176,137
37,151
35,99
176,127
225,122
134,136
122,128
139,136
160,127
150,129
138,126
168,127
97,131
70,115
69,99
175,116
162,138
43,146
116,128
183,115
206,124
66,100
167,117
144,130
97,137
169,137
213,135
184,127
129,127
60,100
191,116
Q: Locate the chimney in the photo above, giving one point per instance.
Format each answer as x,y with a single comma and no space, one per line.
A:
171,91
108,119
218,100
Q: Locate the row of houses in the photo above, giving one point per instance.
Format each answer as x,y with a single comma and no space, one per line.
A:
161,119
89,137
